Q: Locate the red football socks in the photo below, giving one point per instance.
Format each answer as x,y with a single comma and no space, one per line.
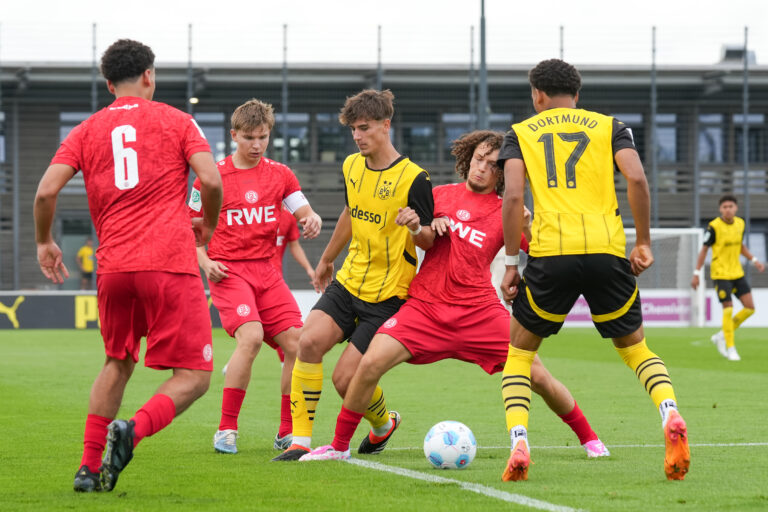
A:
153,416
579,424
231,403
346,424
94,441
286,423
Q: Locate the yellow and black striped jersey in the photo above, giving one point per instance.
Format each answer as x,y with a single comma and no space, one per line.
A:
726,241
382,256
568,154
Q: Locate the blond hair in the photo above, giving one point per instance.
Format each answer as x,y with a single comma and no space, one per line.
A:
252,114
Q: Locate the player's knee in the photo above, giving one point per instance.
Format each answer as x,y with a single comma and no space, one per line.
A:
341,380
200,382
249,346
309,350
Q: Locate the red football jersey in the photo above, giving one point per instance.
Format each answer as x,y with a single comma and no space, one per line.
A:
287,231
456,270
250,213
134,158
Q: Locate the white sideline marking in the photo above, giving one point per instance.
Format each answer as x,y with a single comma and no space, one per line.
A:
467,486
533,447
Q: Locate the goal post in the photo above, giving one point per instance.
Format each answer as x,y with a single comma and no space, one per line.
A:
665,288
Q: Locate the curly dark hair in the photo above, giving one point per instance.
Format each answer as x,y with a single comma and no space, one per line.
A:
125,60
728,197
555,77
368,104
464,147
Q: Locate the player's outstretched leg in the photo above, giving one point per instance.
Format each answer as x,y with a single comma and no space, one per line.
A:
373,444
677,454
519,460
118,453
652,374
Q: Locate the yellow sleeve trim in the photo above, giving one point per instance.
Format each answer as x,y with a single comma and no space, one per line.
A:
619,312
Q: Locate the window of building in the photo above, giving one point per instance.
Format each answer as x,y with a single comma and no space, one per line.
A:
333,139
420,142
756,137
297,137
454,126
666,137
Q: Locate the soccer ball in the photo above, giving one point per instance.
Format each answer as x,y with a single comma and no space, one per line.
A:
450,445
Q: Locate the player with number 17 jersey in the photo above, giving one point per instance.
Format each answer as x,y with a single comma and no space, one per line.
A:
146,162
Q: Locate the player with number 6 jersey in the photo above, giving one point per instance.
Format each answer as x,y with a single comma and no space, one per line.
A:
135,156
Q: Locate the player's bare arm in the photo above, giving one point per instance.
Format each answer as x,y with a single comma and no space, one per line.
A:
210,195
309,220
48,252
341,236
423,236
758,264
699,266
628,162
512,208
214,271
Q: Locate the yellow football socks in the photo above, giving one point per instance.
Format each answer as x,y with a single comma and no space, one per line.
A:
650,370
306,386
728,326
516,386
376,413
742,315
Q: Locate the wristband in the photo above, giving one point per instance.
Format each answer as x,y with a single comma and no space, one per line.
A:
416,231
697,272
755,260
512,260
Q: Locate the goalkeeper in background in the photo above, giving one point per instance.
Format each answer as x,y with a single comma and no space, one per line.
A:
725,235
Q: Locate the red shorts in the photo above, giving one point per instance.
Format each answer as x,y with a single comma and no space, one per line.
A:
169,309
432,332
255,292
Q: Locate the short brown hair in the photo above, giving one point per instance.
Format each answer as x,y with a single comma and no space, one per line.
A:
464,147
728,197
368,104
252,114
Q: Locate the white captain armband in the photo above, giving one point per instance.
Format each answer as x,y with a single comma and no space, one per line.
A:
295,201
512,260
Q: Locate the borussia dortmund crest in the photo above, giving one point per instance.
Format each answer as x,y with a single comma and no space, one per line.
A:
385,190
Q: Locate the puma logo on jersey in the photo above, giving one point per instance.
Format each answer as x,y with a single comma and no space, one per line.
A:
260,215
469,234
10,311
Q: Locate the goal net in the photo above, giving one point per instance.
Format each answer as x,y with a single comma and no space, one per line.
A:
665,288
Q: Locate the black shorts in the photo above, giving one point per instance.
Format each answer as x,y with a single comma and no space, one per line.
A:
359,320
725,287
552,284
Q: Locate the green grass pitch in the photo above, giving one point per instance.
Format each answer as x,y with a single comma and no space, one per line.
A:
46,375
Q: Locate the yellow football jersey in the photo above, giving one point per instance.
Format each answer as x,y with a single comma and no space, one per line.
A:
382,256
726,241
568,154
